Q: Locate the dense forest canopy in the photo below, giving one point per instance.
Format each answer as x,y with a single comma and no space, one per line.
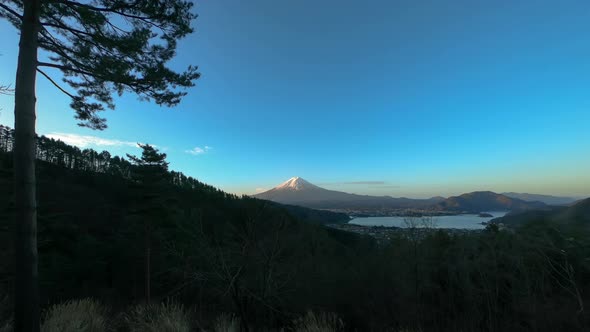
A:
59,153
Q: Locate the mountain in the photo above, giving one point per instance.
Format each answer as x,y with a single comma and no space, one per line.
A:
579,211
297,191
577,214
547,199
479,201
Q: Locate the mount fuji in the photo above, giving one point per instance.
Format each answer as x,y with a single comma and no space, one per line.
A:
297,191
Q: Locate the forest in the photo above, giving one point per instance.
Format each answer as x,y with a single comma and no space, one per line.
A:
111,239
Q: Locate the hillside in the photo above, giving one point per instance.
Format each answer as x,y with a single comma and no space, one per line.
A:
480,201
90,225
575,215
547,199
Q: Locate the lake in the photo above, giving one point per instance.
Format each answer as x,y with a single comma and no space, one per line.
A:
462,221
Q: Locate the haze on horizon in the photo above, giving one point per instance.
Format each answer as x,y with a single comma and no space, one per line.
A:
397,98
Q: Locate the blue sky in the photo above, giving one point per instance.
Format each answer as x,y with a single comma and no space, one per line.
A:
405,98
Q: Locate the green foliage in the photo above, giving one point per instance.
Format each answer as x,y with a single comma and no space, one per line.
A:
165,317
84,315
151,167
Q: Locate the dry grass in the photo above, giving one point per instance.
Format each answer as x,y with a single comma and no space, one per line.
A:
166,317
5,313
6,326
319,322
84,315
227,323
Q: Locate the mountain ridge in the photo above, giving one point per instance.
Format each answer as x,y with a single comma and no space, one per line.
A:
479,201
577,214
547,199
297,191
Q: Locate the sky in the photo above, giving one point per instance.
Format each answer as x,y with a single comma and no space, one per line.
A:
401,98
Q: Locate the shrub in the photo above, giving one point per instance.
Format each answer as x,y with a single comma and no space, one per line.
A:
5,313
84,315
227,323
319,322
166,317
6,326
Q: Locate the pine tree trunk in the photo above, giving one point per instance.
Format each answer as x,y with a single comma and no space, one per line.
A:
148,259
26,315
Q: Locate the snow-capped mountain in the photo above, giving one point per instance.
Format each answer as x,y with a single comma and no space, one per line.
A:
297,191
296,183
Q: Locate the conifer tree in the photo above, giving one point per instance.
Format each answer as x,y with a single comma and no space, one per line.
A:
151,173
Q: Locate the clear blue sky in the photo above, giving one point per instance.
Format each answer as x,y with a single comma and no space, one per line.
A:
420,98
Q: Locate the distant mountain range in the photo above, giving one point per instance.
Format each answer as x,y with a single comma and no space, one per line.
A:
547,199
297,191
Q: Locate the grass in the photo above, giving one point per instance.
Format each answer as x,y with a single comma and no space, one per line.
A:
85,315
5,313
227,323
165,317
319,322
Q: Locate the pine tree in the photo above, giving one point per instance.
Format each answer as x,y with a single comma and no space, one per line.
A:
151,174
100,47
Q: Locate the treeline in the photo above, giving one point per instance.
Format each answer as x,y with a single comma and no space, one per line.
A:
61,154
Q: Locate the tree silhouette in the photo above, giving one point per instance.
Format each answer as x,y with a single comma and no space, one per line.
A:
100,47
150,172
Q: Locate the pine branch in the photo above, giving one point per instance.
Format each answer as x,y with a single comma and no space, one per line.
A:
67,28
54,83
113,10
64,68
80,35
11,11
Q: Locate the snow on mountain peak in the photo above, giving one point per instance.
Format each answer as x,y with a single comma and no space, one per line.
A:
296,183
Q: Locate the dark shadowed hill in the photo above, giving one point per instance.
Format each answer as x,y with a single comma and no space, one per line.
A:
479,201
90,227
575,215
547,199
579,211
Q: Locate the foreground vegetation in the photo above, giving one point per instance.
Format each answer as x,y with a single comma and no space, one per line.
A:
222,262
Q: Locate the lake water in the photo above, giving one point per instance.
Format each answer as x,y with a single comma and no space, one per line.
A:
462,221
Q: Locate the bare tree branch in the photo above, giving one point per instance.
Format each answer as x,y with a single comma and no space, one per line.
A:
6,90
